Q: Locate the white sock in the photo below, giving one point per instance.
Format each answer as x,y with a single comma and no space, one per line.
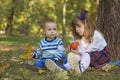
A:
67,66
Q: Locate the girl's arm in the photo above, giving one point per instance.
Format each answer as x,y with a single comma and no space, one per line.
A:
98,44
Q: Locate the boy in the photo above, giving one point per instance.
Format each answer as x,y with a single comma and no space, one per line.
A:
51,50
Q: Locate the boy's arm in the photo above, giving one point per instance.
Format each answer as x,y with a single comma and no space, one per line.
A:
60,50
37,54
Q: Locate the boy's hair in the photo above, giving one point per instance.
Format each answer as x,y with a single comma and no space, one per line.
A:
89,25
48,21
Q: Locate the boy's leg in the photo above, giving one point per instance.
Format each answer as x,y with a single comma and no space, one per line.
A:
53,65
32,67
40,63
65,63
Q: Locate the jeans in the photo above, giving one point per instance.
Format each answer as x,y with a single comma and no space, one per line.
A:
41,63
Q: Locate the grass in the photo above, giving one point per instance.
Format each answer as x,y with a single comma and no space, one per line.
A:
12,67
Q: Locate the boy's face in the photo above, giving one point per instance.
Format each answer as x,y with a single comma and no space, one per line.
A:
50,30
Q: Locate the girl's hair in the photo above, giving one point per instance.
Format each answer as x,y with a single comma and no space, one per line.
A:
89,25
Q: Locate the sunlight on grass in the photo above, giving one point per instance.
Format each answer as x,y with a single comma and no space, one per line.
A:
8,43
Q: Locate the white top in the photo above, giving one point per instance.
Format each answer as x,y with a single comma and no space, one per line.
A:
98,43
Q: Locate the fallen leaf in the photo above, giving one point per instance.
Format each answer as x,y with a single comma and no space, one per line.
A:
103,74
26,55
96,79
4,66
108,67
62,75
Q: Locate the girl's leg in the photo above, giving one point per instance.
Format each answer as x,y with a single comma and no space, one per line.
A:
99,58
85,62
79,63
74,60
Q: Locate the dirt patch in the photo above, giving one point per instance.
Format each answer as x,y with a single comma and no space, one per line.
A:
9,47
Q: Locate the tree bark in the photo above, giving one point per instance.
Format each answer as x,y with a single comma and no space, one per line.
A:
9,28
64,21
108,21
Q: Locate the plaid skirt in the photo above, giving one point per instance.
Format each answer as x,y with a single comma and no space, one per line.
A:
99,58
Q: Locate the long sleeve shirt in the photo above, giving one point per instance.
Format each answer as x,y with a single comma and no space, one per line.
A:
50,49
98,43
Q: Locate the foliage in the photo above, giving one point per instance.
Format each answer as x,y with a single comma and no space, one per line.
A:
29,15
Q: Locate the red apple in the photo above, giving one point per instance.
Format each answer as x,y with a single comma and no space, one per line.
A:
74,45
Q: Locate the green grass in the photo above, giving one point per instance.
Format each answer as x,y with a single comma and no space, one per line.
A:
18,40
16,70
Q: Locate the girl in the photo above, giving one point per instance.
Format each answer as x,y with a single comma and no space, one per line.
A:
92,48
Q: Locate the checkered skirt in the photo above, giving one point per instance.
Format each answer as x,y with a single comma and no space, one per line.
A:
99,57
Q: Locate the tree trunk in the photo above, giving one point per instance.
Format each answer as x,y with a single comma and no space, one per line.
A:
64,21
109,23
9,28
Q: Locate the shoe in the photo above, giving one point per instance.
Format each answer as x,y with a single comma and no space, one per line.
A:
74,63
33,68
52,66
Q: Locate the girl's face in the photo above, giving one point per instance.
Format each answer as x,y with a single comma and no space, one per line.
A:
50,30
80,28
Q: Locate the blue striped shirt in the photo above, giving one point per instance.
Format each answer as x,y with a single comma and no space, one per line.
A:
50,49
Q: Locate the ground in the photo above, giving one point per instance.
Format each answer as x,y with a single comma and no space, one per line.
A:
13,67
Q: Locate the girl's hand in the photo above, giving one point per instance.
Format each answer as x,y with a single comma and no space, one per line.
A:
68,48
76,51
78,41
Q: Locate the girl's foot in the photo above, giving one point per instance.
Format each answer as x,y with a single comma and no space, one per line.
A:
74,63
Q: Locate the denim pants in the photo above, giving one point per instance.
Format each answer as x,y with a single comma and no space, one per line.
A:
41,63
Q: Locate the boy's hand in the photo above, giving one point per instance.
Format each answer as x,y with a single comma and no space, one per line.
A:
31,55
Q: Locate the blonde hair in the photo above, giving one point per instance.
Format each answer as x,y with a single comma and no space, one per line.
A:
88,25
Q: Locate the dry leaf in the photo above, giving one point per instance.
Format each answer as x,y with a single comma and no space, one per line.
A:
108,67
96,79
62,75
3,67
1,53
103,74
26,55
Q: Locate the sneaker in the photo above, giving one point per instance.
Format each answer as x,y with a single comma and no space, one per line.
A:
52,66
74,63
